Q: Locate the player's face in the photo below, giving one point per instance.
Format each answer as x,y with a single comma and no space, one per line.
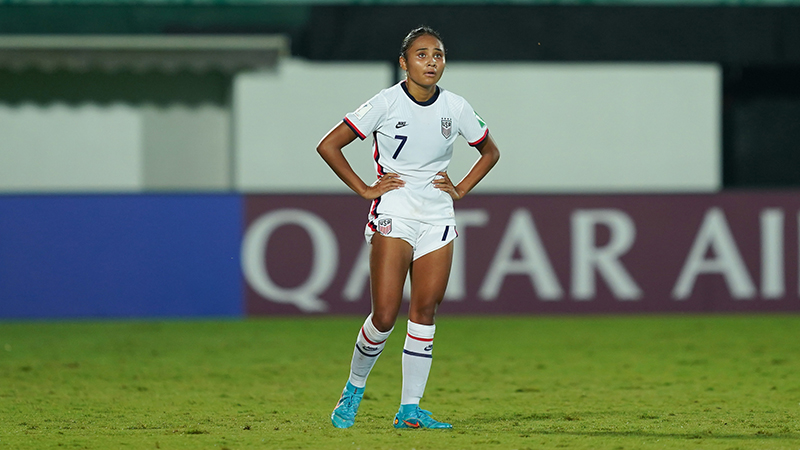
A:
424,61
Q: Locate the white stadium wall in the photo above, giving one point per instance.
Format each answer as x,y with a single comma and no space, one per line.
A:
70,148
114,148
186,147
597,127
281,116
561,128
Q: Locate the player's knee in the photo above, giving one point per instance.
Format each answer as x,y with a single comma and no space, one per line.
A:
422,314
383,321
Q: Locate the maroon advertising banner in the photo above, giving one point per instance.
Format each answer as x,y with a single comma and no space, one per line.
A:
522,254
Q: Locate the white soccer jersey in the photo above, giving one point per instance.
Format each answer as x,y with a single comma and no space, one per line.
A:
415,140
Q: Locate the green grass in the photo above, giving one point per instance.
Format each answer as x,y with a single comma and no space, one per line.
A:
658,382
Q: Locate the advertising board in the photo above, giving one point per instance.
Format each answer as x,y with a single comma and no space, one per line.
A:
541,254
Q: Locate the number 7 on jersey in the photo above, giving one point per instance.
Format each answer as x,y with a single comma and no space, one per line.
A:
403,140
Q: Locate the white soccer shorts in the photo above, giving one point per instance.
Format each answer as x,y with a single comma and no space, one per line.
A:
424,238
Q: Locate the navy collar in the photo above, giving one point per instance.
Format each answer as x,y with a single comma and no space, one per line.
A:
429,102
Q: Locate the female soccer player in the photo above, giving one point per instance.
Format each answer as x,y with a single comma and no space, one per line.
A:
411,220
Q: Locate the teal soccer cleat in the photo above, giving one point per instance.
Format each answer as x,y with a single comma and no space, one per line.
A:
344,415
411,416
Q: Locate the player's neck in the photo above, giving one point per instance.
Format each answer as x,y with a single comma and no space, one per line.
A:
419,92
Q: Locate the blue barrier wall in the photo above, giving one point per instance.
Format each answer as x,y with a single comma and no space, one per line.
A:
79,256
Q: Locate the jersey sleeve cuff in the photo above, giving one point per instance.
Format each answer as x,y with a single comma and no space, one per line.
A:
355,129
482,138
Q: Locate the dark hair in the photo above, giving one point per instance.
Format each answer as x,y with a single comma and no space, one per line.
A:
414,34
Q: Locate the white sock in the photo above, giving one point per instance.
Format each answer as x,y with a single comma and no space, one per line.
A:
369,345
417,359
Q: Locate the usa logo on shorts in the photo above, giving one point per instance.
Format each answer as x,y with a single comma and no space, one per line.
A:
385,226
447,127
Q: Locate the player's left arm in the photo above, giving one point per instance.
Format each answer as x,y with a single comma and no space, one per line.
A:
490,154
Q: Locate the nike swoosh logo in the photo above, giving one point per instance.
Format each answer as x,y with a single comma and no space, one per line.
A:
412,425
400,125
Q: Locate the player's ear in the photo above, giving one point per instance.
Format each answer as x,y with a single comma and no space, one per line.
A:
403,65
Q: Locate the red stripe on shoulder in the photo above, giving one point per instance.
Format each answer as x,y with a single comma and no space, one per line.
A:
485,133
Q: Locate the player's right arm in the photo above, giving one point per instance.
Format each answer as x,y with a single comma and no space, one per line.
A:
330,149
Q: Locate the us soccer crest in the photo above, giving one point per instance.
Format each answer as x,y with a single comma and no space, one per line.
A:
385,226
447,127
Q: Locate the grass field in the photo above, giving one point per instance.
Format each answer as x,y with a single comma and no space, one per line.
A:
659,382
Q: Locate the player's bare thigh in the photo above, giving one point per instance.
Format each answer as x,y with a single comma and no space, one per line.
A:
389,261
429,276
